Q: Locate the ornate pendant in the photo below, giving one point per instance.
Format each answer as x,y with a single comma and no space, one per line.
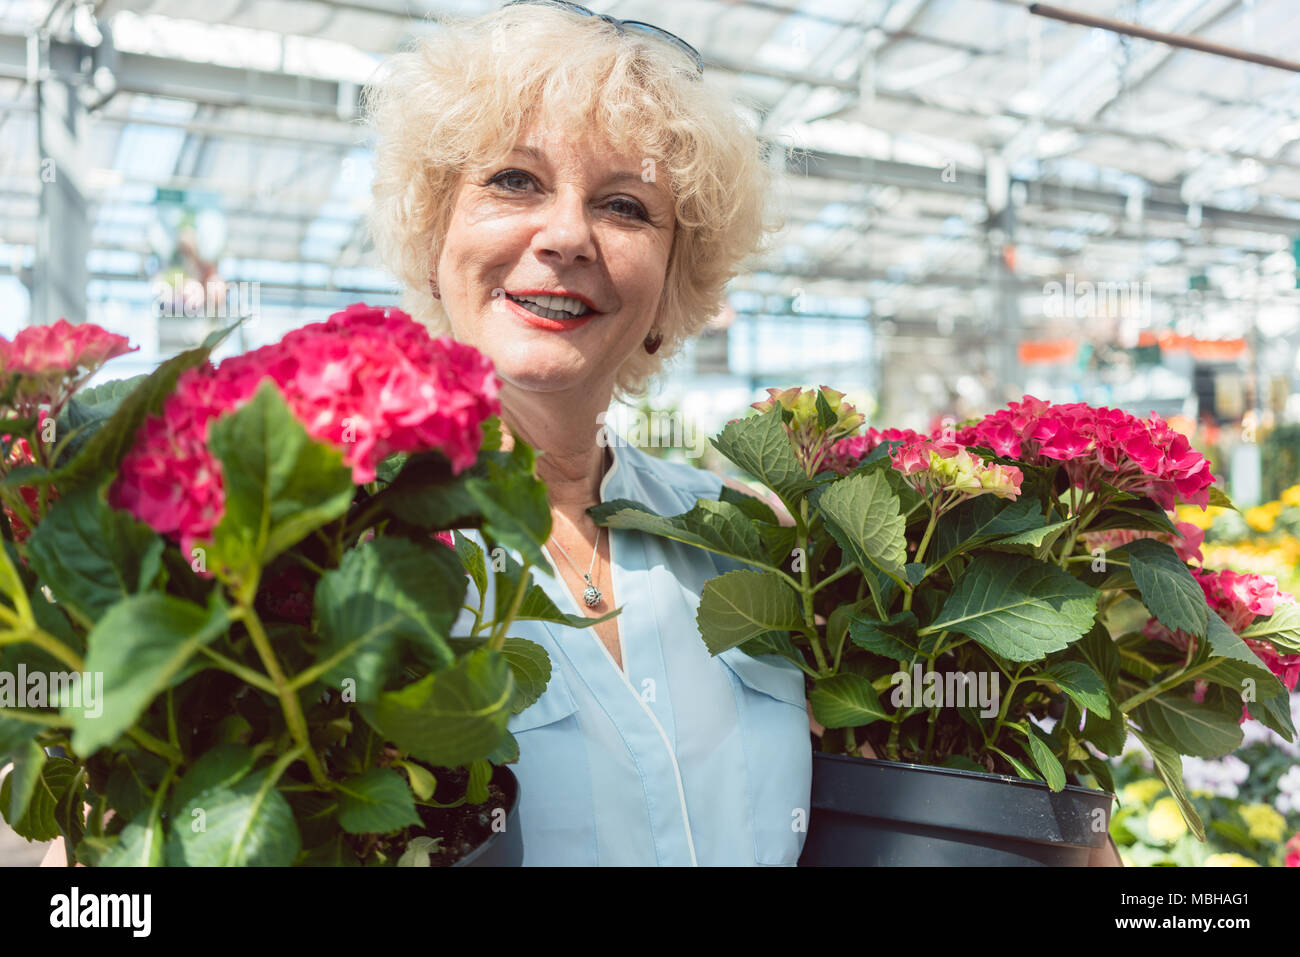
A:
591,594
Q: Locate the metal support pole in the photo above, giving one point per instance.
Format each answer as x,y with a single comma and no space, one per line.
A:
63,228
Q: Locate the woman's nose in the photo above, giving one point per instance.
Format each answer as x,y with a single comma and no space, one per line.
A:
565,232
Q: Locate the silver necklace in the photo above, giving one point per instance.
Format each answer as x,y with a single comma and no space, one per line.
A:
591,594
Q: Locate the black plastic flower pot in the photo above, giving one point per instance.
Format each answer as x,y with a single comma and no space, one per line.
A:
881,813
503,848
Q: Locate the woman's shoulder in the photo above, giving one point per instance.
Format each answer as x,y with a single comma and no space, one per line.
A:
652,472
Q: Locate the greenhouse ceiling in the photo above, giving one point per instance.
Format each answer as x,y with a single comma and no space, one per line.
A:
938,153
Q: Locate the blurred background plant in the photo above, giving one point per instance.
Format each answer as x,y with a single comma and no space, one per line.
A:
1264,539
1249,801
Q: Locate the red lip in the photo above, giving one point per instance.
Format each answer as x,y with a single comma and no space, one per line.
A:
555,292
541,322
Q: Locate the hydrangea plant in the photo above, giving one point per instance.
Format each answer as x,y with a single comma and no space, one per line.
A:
949,602
233,589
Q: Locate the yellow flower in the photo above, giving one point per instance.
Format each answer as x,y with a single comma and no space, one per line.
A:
1141,792
1229,860
1165,822
1201,518
1261,518
1291,496
1265,823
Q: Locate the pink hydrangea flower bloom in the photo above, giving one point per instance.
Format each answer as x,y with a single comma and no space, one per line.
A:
1238,598
54,360
1142,456
369,381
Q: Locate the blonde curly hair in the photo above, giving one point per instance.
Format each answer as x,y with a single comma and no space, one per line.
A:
468,91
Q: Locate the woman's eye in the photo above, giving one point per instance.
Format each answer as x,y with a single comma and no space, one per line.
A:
517,176
632,210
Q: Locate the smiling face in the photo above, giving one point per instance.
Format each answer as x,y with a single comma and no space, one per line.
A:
560,216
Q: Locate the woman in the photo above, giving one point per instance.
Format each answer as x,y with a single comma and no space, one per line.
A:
566,194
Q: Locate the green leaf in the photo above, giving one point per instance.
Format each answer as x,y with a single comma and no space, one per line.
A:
1220,498
22,780
1196,729
249,824
1083,685
981,520
531,666
476,789
1019,766
772,643
1102,772
1240,676
1045,760
742,604
1016,607
754,507
760,446
1138,515
513,502
845,701
1097,650
376,801
222,766
40,822
1274,711
471,558
1223,641
1167,587
452,717
102,454
1281,629
717,526
389,595
885,638
862,514
428,495
1169,766
15,732
140,844
139,647
92,555
133,782
1110,733
423,783
280,483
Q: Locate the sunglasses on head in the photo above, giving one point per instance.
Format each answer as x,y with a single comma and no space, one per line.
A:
635,25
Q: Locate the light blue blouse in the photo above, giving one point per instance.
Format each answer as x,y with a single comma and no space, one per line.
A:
679,757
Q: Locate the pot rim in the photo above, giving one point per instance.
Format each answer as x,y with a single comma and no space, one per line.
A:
959,772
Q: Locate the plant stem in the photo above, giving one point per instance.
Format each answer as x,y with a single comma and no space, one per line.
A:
172,736
49,644
929,734
806,591
498,639
1171,682
250,676
289,703
160,748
